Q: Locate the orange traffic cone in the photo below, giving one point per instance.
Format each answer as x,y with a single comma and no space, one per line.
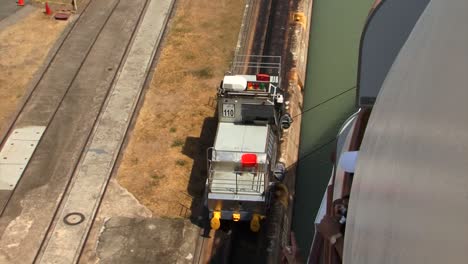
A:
21,2
48,11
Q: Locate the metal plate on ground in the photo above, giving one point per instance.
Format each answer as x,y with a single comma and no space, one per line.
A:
28,133
9,175
16,153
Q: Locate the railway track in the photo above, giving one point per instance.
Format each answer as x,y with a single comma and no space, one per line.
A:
67,103
265,33
58,93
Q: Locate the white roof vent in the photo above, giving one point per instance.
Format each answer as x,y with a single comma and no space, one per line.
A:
234,83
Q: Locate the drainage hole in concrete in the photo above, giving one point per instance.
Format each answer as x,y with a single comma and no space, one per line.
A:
74,218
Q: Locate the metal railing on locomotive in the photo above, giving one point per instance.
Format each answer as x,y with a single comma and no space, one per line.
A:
272,92
253,64
236,185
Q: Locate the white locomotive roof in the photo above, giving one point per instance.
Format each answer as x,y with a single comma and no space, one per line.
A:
234,83
241,138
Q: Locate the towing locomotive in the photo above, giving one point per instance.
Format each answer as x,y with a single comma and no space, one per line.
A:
242,164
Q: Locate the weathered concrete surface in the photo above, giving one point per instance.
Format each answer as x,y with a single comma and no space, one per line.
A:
63,69
29,214
8,17
120,202
117,202
153,240
7,8
69,65
93,172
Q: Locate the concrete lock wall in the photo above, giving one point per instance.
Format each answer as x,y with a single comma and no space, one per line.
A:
298,45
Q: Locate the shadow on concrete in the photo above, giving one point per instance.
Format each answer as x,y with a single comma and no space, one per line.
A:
235,243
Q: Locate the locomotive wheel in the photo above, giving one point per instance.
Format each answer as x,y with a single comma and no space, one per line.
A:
255,223
215,223
282,193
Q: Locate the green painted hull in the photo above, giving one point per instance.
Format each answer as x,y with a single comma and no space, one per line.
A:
330,95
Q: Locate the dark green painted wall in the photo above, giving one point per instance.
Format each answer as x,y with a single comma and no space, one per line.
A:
329,93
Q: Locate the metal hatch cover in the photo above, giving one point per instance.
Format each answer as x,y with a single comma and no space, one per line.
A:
16,153
243,138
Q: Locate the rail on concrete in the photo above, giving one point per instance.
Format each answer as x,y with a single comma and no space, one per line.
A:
96,165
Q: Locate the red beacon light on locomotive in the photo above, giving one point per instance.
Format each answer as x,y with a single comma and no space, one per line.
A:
260,83
263,77
249,160
237,83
